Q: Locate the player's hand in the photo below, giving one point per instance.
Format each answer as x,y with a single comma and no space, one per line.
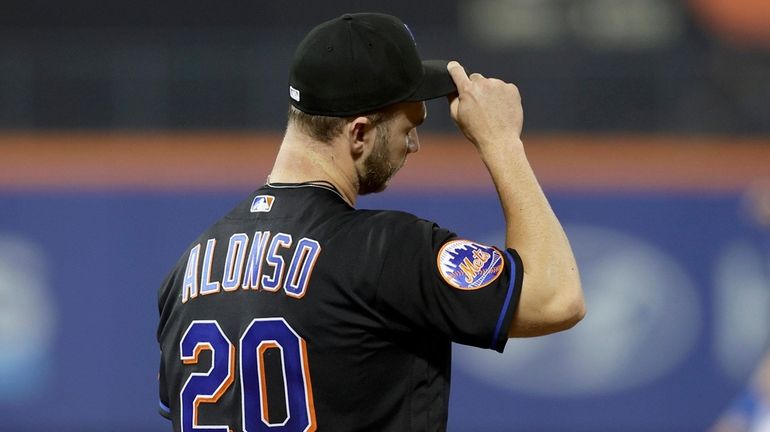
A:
487,110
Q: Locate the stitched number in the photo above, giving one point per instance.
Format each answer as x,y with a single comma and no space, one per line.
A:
205,387
263,340
275,334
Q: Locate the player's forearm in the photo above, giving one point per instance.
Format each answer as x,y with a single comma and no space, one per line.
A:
551,298
489,113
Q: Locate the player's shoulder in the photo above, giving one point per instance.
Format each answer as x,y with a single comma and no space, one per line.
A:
218,229
389,219
393,225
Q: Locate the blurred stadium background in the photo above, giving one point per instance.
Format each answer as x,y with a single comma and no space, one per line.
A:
128,127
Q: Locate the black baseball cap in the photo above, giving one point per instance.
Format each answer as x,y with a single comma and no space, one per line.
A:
362,62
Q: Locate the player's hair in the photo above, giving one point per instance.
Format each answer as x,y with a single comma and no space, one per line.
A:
325,128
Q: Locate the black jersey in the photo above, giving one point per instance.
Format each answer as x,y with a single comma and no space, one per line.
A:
297,312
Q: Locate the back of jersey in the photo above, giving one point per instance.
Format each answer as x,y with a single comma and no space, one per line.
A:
296,312
232,355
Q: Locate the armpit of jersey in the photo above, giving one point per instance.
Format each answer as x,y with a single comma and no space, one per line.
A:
468,265
164,410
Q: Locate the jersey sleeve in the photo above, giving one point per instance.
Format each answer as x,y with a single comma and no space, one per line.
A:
432,281
163,401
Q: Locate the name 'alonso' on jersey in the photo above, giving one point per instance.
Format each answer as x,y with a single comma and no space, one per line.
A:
296,312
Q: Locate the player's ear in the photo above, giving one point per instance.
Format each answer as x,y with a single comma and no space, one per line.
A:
359,132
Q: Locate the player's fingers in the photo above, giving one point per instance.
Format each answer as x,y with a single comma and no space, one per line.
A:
457,72
476,76
453,104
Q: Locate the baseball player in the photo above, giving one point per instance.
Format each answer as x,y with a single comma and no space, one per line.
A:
298,312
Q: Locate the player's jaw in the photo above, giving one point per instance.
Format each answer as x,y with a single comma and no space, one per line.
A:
378,166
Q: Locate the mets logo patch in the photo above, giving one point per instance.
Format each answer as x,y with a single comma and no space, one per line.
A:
467,265
262,203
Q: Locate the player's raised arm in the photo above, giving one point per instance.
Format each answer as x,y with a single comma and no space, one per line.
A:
488,111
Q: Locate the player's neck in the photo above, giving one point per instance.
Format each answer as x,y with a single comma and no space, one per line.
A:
301,159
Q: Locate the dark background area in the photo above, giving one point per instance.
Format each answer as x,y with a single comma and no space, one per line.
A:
592,65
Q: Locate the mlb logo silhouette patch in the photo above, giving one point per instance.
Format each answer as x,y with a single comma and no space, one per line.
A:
468,265
262,203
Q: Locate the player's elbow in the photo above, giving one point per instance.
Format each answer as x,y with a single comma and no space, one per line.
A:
561,309
569,309
565,306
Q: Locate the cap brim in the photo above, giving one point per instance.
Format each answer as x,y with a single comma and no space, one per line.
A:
435,83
